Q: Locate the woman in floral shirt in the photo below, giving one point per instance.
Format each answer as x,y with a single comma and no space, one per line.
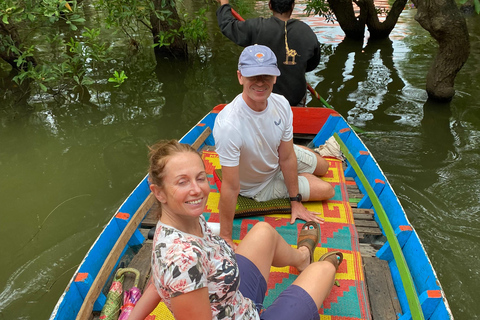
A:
199,276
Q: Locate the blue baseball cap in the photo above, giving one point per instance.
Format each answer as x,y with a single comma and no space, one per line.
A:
258,60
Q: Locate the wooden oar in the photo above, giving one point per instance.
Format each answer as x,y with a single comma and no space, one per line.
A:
237,16
316,95
325,103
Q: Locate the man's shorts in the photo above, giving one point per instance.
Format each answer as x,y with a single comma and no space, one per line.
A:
276,189
293,303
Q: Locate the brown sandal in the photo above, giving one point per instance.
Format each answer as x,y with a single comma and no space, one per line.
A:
309,237
334,257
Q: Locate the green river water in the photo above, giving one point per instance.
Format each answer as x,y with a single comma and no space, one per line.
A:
66,167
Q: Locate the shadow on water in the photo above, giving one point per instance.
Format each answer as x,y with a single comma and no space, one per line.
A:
437,137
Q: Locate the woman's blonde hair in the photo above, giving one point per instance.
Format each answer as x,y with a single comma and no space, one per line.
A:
159,154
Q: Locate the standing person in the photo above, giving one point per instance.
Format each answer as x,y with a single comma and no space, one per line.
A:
294,43
199,276
254,140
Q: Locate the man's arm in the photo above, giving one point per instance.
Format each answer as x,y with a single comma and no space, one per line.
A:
313,62
240,32
288,165
228,201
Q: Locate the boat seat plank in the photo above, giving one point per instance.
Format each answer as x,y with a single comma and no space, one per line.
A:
382,296
141,262
201,138
366,223
368,230
363,211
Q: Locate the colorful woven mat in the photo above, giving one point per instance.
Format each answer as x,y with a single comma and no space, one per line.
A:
348,301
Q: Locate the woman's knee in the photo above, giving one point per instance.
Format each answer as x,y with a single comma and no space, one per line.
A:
323,268
263,228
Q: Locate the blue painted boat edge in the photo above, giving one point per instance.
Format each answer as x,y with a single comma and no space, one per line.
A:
423,274
72,298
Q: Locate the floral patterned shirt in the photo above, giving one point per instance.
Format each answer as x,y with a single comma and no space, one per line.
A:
182,263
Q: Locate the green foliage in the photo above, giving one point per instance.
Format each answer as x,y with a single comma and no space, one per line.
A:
132,15
118,78
195,29
73,66
58,63
476,4
28,11
321,8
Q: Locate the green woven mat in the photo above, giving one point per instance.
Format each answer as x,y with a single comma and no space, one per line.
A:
248,207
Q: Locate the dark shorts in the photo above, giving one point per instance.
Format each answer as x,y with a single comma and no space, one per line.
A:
292,303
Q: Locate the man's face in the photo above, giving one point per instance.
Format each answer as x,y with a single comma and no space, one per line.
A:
257,88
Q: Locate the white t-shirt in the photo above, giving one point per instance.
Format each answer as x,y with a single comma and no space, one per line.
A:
250,140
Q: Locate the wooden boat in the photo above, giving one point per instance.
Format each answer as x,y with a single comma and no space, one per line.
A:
395,278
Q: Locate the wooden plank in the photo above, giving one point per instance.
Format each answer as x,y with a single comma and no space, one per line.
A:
366,223
107,267
367,230
362,216
141,262
201,138
381,292
363,211
355,195
367,250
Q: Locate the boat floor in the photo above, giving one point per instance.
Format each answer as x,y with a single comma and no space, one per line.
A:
379,288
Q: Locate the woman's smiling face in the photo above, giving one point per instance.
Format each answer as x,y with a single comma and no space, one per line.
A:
185,186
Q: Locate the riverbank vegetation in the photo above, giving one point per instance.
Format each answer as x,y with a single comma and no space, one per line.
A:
74,46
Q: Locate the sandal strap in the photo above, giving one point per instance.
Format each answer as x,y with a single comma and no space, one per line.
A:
338,258
309,237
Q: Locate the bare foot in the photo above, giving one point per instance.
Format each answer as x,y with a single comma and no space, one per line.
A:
306,258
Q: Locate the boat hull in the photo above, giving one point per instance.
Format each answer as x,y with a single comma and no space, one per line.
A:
321,124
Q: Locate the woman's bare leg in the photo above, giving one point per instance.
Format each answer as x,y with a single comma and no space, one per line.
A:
265,247
317,280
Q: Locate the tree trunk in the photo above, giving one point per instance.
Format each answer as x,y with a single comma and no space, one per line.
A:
381,30
9,31
178,48
443,20
354,27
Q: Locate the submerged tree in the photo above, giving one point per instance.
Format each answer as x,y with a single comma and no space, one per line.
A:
353,24
441,18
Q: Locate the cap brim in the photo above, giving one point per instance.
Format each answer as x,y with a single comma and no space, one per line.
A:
257,71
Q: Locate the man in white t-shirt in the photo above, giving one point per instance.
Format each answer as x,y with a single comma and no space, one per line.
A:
254,140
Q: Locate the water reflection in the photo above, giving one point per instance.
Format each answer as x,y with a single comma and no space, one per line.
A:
66,163
366,77
437,137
